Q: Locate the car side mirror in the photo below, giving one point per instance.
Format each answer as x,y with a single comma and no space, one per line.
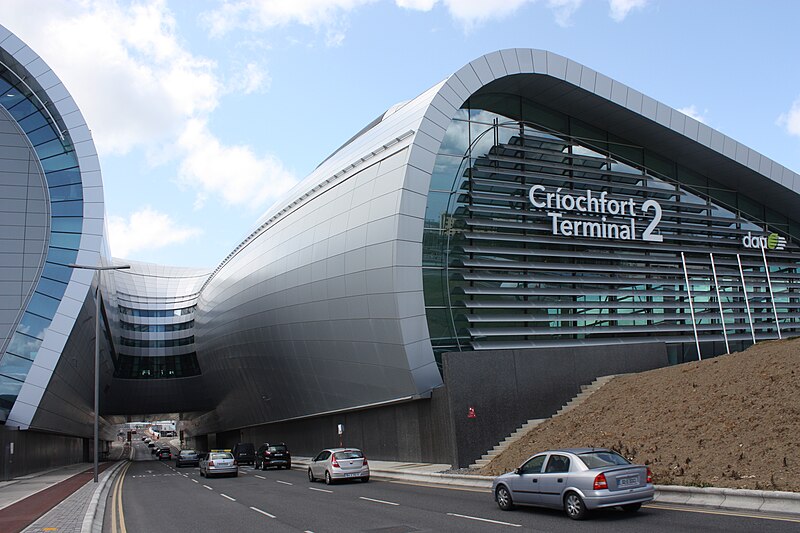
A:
518,471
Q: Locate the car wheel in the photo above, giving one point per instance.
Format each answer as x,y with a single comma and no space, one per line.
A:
236,474
311,477
574,506
263,466
503,498
201,473
328,479
632,508
365,479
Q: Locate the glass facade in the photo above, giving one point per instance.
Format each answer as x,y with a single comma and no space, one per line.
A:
542,230
60,164
173,366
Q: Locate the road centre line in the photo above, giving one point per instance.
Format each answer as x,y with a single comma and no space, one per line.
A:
260,477
209,488
377,501
226,496
283,482
484,520
263,512
320,490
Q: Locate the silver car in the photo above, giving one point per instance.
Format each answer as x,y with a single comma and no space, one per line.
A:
339,463
218,463
576,480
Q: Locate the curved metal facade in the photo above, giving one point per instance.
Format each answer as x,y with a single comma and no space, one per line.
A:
58,219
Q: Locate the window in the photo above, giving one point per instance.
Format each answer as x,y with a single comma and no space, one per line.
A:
557,464
533,466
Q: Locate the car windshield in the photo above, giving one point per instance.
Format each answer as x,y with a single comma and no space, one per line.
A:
276,449
221,456
188,452
602,459
349,454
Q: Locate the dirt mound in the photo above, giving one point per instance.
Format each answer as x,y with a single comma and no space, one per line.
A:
732,421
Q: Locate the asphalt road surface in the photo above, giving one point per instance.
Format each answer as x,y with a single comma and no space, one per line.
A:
157,496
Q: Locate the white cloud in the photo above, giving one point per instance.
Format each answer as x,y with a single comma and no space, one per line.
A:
234,173
125,66
619,9
791,120
251,79
146,229
563,10
694,113
418,5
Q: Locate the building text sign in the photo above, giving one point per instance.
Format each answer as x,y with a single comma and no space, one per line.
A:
598,216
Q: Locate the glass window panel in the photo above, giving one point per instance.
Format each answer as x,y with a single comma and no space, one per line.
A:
43,305
437,206
59,272
503,107
66,192
65,240
434,286
51,287
22,109
447,173
456,138
59,162
32,122
72,208
15,367
11,97
63,177
67,224
23,346
545,117
41,135
49,148
751,209
33,325
62,256
5,85
9,390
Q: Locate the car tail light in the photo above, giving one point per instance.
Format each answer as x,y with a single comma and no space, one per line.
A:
365,461
211,463
649,475
334,462
235,463
600,482
267,453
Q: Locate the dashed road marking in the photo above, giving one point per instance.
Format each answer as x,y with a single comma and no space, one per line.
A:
195,481
262,512
320,490
226,496
260,477
283,482
484,520
377,501
209,488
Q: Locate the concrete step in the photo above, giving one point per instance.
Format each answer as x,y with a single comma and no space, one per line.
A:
585,392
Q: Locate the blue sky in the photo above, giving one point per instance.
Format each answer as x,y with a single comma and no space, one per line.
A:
205,112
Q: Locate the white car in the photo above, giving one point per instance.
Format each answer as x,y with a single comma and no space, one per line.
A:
218,463
333,464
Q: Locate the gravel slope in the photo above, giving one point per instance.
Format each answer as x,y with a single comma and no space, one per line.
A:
731,421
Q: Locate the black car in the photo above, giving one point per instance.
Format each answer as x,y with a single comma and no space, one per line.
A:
187,457
244,452
163,453
276,454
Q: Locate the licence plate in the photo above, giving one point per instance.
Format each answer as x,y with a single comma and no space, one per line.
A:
352,475
628,481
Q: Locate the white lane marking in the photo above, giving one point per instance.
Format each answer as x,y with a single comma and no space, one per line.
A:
320,490
283,482
377,501
484,520
261,477
226,496
209,488
263,512
195,481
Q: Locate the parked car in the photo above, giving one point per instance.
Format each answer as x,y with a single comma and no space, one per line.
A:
151,444
245,453
276,454
577,480
187,457
218,463
154,450
164,453
333,464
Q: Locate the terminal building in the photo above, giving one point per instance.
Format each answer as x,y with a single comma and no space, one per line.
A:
462,264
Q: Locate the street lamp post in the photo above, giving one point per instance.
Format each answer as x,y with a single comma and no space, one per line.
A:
97,356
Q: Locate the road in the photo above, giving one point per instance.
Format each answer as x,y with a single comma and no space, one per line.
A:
156,496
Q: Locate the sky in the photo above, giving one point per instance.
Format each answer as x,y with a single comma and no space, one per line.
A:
204,113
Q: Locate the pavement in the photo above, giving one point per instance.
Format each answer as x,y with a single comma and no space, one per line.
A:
83,510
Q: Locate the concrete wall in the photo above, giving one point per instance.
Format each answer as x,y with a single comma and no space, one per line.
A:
520,385
35,451
415,431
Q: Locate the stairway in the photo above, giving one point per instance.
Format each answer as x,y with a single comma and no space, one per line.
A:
586,391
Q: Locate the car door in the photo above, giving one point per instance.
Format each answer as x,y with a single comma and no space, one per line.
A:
525,485
553,480
318,464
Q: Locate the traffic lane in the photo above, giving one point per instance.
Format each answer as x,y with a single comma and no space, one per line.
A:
479,506
155,497
289,497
